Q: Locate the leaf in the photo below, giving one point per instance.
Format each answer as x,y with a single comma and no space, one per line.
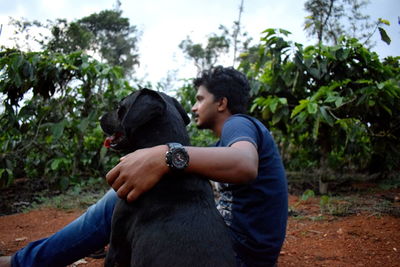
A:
16,62
316,127
284,32
276,118
58,129
324,200
342,54
82,126
27,70
308,25
308,62
300,107
339,101
384,36
103,152
328,118
283,101
273,105
380,85
312,108
307,194
253,107
55,164
384,21
331,98
371,103
301,118
316,73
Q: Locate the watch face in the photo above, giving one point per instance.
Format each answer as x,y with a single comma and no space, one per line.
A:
180,159
176,157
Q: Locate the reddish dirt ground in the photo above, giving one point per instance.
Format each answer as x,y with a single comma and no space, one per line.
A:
361,239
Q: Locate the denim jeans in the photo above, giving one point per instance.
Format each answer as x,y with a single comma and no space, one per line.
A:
90,232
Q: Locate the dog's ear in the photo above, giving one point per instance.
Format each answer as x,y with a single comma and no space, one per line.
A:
145,106
183,113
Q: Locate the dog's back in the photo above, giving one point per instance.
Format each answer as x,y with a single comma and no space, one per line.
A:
171,226
176,223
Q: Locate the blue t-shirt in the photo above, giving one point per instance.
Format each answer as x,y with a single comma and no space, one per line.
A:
255,212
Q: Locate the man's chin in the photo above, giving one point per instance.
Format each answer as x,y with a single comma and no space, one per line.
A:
201,126
198,124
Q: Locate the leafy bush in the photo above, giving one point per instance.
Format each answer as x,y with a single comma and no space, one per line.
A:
50,116
337,106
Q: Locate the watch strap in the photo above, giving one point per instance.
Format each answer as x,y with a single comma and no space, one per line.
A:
174,146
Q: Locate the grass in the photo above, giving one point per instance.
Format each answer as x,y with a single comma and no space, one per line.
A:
79,196
312,207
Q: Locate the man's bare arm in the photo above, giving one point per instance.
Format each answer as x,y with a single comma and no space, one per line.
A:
139,171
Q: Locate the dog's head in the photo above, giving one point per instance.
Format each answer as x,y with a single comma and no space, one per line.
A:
145,118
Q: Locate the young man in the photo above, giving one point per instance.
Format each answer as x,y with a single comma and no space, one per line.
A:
245,162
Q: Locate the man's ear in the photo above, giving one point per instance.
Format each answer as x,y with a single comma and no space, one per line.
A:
222,104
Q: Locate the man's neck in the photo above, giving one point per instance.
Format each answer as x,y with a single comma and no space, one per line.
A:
220,123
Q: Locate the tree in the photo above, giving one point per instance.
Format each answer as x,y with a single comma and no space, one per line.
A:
106,33
333,108
205,57
328,20
218,46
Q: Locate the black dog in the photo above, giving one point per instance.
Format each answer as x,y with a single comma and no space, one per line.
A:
176,223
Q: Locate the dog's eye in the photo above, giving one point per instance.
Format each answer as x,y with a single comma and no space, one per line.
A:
121,112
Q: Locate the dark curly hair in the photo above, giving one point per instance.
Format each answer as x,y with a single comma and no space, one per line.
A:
226,82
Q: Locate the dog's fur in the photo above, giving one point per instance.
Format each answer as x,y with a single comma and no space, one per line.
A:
176,223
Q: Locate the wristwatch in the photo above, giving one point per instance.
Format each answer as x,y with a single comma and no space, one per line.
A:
176,157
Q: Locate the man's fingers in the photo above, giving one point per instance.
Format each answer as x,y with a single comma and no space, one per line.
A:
123,191
118,183
133,195
112,175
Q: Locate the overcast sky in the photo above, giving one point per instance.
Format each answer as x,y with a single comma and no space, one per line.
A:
165,23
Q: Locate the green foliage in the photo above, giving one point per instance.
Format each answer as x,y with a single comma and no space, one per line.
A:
307,194
106,34
218,46
50,115
207,56
337,105
115,37
78,196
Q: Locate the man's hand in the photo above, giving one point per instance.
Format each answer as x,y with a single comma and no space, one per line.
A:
138,172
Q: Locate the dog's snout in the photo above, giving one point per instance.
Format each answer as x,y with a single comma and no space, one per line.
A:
109,123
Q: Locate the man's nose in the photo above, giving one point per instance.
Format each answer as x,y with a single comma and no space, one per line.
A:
194,108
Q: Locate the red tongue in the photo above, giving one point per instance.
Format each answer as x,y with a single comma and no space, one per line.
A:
110,139
107,141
